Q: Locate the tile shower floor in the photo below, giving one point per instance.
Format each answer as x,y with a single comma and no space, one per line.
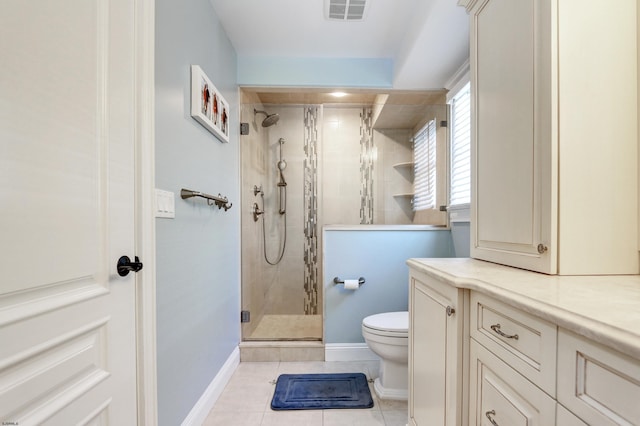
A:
247,397
288,327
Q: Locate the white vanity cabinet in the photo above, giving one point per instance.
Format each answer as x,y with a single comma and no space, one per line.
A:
436,341
523,369
554,136
521,348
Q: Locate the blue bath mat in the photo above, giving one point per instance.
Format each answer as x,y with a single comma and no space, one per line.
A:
321,391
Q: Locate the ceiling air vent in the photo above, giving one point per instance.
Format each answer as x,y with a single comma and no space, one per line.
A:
345,10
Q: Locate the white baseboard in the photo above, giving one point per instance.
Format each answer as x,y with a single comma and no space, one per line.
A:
199,412
348,352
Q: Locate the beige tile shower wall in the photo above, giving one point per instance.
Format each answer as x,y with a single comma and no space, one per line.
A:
284,285
340,163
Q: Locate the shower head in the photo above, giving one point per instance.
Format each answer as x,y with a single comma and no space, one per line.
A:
269,120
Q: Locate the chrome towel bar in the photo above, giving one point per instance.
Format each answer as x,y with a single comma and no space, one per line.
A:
220,201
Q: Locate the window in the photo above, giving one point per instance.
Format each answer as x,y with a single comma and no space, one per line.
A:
424,152
460,190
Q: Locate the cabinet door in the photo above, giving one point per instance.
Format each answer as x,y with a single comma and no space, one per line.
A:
435,359
512,137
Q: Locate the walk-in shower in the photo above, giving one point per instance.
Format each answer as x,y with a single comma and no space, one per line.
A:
280,265
346,164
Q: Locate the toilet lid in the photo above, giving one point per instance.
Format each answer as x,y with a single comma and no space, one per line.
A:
388,321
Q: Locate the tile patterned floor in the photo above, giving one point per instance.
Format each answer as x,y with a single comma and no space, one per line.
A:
247,397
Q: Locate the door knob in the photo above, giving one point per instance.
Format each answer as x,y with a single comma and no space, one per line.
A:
125,265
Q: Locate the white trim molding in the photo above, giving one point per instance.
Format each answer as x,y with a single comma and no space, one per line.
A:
467,4
201,409
457,81
460,213
348,352
145,241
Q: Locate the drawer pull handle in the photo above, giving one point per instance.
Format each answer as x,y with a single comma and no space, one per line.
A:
496,328
489,414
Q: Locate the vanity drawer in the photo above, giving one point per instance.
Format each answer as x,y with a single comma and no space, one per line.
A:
525,342
500,395
598,384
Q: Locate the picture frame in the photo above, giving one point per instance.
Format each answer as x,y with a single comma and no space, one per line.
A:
208,106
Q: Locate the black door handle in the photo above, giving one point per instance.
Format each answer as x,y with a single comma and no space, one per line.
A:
125,265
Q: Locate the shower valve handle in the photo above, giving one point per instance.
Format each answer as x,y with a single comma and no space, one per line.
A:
256,212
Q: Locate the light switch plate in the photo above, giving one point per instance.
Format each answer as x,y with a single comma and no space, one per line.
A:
165,204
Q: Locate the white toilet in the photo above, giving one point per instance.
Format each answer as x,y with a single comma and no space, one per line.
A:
387,335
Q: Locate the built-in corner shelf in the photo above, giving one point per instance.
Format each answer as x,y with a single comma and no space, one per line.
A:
406,165
404,169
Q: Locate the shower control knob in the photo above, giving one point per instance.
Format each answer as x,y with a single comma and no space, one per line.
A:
256,212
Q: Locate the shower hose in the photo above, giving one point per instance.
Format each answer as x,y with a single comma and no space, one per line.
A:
264,233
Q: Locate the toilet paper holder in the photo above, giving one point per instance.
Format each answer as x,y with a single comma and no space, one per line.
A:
337,280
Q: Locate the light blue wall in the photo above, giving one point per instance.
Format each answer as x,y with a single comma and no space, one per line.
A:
461,234
198,252
315,72
380,257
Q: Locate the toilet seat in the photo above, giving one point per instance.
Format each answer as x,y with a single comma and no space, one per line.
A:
392,324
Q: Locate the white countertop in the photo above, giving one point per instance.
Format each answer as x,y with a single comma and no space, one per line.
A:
604,308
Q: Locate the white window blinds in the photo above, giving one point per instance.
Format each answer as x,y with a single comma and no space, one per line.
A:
460,191
424,182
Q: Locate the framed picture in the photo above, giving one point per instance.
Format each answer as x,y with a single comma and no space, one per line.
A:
208,106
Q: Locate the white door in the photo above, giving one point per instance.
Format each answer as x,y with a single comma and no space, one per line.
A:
67,319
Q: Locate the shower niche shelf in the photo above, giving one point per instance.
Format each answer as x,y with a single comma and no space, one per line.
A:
405,170
405,165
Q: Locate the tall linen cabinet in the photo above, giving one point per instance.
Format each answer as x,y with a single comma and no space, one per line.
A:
555,143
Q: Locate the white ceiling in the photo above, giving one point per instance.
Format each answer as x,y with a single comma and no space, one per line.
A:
428,40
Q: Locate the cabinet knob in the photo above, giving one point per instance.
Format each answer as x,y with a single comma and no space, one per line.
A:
542,248
450,311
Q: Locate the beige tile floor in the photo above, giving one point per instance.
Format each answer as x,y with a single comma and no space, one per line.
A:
247,397
288,327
